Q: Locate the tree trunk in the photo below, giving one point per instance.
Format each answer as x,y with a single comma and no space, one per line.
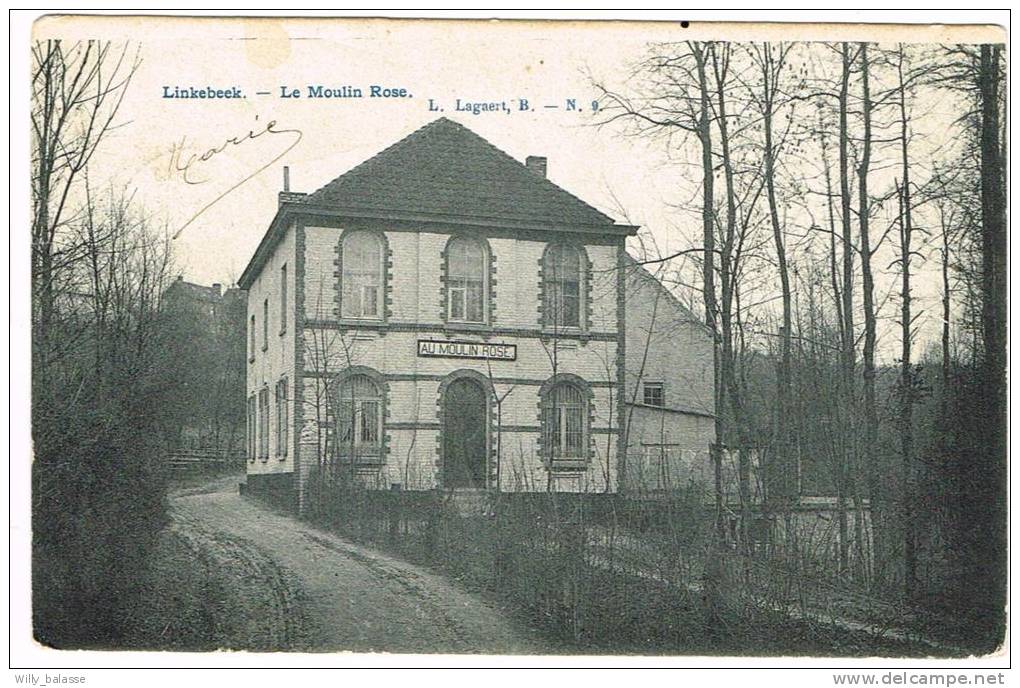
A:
906,373
785,482
726,261
708,264
990,508
874,480
848,355
946,323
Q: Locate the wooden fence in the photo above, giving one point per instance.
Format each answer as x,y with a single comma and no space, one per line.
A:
181,461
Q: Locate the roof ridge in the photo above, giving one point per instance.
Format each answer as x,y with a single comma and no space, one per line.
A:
545,179
378,154
499,154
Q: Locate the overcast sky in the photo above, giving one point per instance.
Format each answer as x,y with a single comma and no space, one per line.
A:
443,63
629,179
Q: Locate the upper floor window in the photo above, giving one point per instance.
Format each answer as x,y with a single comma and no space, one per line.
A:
653,394
359,420
466,267
362,288
283,299
265,324
251,330
562,272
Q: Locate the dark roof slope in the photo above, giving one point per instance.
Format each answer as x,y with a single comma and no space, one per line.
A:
446,169
189,290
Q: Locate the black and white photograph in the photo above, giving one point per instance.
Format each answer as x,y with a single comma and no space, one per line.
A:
424,341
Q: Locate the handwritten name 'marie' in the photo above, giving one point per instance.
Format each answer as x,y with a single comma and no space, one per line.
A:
208,92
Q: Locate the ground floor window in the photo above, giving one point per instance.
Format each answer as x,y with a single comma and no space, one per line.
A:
281,418
359,418
251,428
565,422
264,424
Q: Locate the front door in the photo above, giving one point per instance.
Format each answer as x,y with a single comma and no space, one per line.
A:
465,428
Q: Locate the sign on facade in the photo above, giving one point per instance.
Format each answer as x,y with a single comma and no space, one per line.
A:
447,349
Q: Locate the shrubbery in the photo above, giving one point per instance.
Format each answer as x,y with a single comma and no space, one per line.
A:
594,572
97,510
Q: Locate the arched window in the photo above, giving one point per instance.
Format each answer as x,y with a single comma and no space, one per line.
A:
562,272
359,418
565,422
466,266
362,287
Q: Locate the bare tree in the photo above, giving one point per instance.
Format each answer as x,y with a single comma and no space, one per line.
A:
679,101
771,61
994,315
906,383
76,93
870,429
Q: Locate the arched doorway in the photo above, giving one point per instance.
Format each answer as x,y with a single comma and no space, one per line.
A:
465,434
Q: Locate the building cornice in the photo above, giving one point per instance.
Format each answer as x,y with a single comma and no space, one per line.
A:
337,215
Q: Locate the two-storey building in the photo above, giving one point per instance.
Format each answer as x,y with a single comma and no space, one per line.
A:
443,316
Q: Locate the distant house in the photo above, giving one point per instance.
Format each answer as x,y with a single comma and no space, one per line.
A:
205,364
444,316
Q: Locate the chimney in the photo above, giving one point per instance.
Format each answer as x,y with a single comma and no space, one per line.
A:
537,164
217,287
288,196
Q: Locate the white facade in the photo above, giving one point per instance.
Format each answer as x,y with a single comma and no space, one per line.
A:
398,342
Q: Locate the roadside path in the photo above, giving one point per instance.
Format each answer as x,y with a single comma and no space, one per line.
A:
308,590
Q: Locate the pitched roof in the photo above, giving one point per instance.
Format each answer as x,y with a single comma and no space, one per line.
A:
446,169
189,290
442,173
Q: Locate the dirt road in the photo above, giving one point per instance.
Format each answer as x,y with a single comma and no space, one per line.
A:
292,587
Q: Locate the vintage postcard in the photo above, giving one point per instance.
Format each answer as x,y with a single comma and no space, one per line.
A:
515,338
